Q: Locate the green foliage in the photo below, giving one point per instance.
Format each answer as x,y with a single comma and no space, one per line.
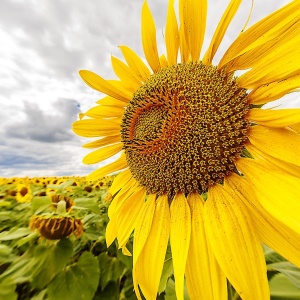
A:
81,267
79,281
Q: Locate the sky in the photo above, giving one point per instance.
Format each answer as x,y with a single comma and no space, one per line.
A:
44,43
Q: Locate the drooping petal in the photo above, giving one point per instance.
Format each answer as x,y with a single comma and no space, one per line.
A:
180,239
120,181
98,83
135,63
143,227
102,142
204,278
125,73
263,31
235,243
275,117
119,164
172,35
277,191
273,91
149,38
121,197
281,143
221,30
128,214
97,127
102,153
273,233
192,15
148,266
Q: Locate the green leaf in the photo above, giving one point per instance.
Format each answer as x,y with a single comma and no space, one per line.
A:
282,289
271,256
39,296
111,269
111,292
170,291
7,291
289,270
166,273
14,233
39,204
50,261
5,253
87,203
78,282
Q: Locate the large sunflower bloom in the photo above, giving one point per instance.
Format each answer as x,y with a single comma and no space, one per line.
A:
203,165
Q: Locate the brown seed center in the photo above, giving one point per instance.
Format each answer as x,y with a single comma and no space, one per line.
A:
184,129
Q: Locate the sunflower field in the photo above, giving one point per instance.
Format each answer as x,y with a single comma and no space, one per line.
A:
52,241
52,245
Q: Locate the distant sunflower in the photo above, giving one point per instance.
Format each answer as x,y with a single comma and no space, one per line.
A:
202,164
24,193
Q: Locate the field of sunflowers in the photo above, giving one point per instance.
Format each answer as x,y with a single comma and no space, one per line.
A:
52,245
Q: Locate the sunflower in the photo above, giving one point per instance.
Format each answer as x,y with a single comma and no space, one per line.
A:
204,165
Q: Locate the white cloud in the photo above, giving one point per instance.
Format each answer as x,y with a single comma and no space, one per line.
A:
44,44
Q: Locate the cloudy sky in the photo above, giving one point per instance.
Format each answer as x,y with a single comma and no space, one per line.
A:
44,43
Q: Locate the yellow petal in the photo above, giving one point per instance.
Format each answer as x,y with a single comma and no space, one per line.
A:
192,15
121,197
125,73
98,83
296,127
102,153
107,100
129,213
221,30
275,117
270,27
101,111
281,143
117,165
277,191
273,233
172,35
273,91
180,239
163,61
119,182
135,63
143,227
204,278
149,38
274,163
103,142
264,52
97,127
235,243
184,51
111,231
282,63
149,267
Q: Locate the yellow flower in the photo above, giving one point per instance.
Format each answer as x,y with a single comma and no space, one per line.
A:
24,193
202,164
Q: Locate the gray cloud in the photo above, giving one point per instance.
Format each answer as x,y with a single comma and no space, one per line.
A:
46,127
